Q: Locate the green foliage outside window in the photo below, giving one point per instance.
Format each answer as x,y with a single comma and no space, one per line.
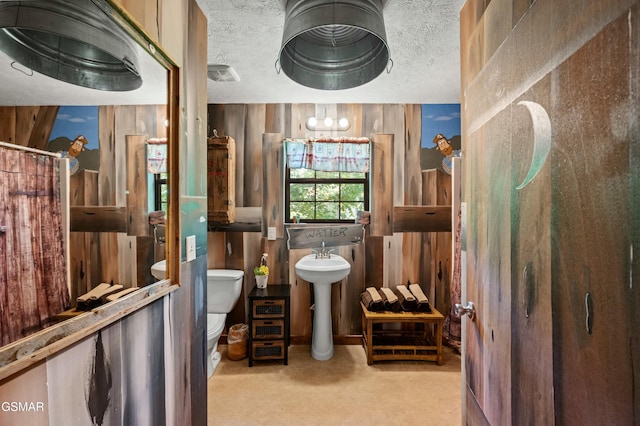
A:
315,196
161,192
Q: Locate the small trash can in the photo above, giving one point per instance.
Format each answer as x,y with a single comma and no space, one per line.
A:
237,341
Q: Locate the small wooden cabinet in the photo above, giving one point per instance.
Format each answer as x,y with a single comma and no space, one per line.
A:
221,179
269,323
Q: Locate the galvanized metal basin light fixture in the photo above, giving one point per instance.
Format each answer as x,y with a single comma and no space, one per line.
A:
70,40
333,44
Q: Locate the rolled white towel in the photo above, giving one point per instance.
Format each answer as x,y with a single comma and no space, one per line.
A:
405,293
391,296
418,293
375,296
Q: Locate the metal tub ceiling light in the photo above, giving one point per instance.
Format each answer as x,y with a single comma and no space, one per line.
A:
333,45
74,41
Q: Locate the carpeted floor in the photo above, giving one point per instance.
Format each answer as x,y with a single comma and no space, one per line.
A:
341,391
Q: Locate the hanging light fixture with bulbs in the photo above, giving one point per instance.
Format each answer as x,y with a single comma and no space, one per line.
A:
328,124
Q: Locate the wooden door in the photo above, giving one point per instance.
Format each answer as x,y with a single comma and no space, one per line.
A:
487,339
549,260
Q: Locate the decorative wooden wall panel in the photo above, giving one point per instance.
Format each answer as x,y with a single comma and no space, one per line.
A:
353,112
27,125
253,178
137,191
273,173
372,119
234,259
234,125
532,313
535,249
301,301
347,314
8,124
436,267
298,118
382,185
275,117
84,272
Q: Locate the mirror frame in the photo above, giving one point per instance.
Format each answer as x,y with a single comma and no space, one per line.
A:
135,30
23,353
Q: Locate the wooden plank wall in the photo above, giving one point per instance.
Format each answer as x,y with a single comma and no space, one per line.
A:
27,125
119,189
396,179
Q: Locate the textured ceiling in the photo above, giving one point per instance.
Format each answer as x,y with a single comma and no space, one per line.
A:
423,38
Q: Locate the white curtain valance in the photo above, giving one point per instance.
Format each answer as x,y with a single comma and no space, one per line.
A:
329,154
157,155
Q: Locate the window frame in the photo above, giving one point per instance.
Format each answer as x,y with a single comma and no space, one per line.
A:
158,183
289,180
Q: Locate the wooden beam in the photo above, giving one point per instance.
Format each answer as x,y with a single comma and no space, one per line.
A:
248,219
422,219
381,185
98,219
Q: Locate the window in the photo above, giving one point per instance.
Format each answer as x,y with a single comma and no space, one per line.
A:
161,192
315,196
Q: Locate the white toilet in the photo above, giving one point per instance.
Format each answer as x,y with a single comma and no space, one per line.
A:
223,290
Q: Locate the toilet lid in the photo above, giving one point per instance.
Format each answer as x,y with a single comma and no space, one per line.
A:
215,324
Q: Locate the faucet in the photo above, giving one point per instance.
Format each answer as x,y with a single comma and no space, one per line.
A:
323,253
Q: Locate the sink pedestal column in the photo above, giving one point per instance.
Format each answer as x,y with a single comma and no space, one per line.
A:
322,334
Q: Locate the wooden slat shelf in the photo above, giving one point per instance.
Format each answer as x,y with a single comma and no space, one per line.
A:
381,345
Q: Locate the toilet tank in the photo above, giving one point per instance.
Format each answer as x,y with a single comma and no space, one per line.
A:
223,289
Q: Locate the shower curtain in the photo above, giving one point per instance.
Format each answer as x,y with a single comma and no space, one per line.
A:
33,278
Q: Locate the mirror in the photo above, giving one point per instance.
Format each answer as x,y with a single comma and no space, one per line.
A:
111,230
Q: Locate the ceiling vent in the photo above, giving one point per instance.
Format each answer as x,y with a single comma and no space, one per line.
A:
333,45
222,73
70,40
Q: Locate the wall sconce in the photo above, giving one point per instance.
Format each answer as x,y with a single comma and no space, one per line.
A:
328,123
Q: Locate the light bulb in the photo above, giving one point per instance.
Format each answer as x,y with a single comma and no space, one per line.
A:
343,123
328,121
312,122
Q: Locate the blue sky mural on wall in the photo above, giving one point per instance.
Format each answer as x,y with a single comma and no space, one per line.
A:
77,120
71,122
438,118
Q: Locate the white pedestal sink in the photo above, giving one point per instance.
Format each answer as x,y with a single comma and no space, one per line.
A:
159,270
322,272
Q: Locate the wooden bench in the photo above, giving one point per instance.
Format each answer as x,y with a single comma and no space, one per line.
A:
419,345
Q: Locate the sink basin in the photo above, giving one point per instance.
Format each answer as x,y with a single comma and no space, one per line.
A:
322,273
159,270
329,270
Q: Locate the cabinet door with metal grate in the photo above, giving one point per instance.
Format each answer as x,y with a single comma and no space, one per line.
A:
269,323
268,329
268,308
268,350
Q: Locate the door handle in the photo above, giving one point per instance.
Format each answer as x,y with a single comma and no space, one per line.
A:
459,310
